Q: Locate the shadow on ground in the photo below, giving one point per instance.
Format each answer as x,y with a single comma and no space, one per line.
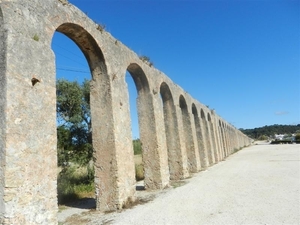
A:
84,203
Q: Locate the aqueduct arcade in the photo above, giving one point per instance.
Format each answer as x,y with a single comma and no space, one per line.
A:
179,135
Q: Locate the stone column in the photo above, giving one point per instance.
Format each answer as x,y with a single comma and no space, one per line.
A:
155,177
194,144
200,138
203,145
151,129
208,143
192,159
3,100
223,140
214,140
28,157
112,142
217,137
176,164
183,153
220,140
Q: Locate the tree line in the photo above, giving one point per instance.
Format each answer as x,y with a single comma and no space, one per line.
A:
270,131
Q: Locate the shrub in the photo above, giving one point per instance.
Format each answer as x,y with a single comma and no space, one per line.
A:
281,142
263,137
297,137
146,60
139,172
137,147
36,37
65,186
75,182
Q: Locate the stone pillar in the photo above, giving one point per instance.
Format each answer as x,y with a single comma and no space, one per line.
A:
194,144
223,141
231,145
183,152
211,140
218,131
217,137
162,145
203,145
112,142
220,140
226,134
151,149
208,143
151,130
3,100
177,166
28,157
192,159
200,138
214,141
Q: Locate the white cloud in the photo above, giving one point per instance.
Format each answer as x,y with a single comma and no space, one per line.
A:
280,113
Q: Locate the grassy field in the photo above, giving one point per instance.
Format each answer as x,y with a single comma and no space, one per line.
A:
139,168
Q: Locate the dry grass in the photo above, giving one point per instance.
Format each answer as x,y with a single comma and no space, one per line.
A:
77,219
139,168
138,159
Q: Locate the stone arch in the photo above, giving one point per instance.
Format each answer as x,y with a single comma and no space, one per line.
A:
139,77
99,95
200,138
28,113
172,135
147,128
88,46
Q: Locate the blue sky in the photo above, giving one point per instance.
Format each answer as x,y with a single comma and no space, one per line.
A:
241,58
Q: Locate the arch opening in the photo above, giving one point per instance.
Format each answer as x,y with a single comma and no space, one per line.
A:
144,126
171,129
88,46
140,79
135,131
78,53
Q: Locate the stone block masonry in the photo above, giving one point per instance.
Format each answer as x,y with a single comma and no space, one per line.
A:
179,135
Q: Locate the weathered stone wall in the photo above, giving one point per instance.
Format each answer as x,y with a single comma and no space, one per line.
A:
2,113
179,135
29,128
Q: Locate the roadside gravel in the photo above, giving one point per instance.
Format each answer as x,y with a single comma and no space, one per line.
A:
257,185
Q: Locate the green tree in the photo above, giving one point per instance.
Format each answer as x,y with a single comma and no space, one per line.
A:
271,130
74,122
137,147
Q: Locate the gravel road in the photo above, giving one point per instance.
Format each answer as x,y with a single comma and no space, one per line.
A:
257,185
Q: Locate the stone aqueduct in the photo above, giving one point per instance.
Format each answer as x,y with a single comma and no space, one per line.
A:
179,134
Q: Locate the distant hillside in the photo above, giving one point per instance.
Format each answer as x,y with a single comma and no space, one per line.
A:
271,130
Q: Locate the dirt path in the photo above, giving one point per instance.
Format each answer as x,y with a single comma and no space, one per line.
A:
258,185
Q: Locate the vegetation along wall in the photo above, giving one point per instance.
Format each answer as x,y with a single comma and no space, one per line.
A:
179,135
